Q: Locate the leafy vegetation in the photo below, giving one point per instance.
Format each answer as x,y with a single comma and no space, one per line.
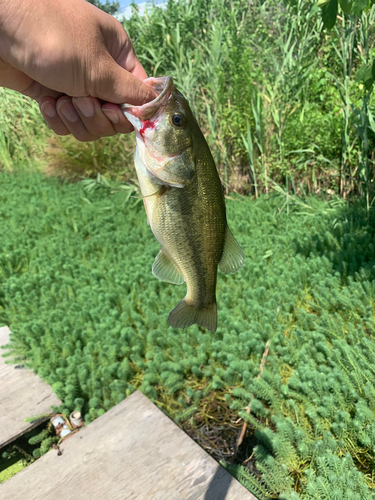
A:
88,316
287,108
109,6
279,97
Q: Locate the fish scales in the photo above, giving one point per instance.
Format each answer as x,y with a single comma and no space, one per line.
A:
184,202
199,228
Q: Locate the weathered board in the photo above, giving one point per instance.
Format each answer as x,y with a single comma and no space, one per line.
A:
132,452
22,394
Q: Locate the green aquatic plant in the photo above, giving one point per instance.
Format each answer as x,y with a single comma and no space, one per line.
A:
88,316
335,478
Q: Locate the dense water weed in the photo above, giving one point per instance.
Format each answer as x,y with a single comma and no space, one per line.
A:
87,315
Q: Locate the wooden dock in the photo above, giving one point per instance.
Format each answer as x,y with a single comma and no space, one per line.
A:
132,452
22,394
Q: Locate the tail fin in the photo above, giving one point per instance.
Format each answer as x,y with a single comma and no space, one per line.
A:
184,315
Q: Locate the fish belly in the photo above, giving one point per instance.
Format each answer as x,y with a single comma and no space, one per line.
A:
192,241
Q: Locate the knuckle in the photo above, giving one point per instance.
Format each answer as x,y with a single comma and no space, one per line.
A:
84,137
101,131
123,128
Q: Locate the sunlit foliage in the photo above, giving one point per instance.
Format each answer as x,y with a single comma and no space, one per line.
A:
278,97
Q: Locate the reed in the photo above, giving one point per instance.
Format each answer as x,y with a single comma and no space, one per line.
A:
278,98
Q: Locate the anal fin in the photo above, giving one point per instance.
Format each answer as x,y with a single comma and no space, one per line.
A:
233,258
164,269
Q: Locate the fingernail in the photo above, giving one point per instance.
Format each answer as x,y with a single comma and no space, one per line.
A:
85,106
48,109
111,115
69,112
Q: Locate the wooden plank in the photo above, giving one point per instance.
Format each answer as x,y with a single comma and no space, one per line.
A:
22,394
132,452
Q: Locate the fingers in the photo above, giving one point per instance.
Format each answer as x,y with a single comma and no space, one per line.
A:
117,85
117,118
47,107
83,117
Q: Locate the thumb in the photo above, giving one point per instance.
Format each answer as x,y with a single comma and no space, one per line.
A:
115,84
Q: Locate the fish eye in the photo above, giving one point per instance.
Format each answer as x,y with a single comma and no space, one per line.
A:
178,120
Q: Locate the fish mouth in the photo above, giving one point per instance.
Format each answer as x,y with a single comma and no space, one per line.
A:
136,114
145,119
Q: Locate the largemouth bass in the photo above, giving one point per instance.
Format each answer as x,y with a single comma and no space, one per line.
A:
184,202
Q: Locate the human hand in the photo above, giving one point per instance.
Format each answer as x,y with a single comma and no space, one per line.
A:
69,56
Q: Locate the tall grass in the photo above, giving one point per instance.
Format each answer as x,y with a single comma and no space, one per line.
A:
72,160
275,95
256,74
248,69
23,134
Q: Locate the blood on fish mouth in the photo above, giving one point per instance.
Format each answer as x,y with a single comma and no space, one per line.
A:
146,125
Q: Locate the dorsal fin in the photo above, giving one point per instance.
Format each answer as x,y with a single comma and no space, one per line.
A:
164,269
233,258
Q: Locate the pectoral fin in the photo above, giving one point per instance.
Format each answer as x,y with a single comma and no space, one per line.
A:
233,258
164,269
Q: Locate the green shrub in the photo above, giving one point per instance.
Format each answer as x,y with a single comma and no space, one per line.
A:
262,81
